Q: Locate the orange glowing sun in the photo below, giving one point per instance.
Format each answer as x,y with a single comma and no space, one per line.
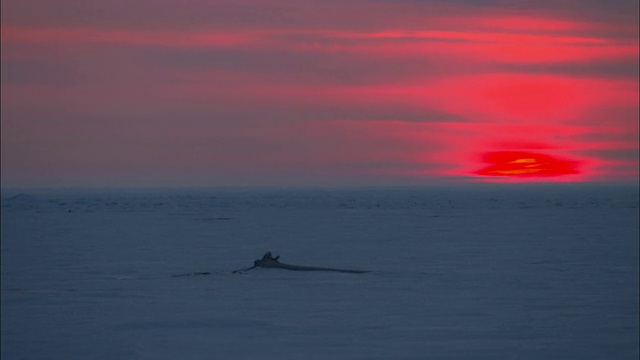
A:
525,164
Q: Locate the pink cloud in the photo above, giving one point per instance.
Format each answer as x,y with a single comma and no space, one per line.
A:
81,36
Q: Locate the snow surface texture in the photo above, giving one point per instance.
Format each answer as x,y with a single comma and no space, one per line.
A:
491,272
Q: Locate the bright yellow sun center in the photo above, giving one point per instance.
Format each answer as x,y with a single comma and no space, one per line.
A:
523,161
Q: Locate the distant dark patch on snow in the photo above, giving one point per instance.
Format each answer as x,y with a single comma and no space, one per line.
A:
194,324
193,274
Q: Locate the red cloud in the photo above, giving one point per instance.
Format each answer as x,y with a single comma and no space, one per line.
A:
526,164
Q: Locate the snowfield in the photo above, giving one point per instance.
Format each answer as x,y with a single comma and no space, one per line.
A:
477,272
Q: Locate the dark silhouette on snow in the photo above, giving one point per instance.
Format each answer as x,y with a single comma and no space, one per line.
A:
192,274
268,261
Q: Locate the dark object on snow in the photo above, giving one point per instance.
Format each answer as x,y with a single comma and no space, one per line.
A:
192,274
268,261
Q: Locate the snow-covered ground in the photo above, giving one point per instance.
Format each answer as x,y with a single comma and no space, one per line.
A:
482,272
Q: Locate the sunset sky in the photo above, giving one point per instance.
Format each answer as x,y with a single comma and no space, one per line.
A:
318,93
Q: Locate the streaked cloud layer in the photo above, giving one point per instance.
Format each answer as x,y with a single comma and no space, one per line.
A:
198,93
